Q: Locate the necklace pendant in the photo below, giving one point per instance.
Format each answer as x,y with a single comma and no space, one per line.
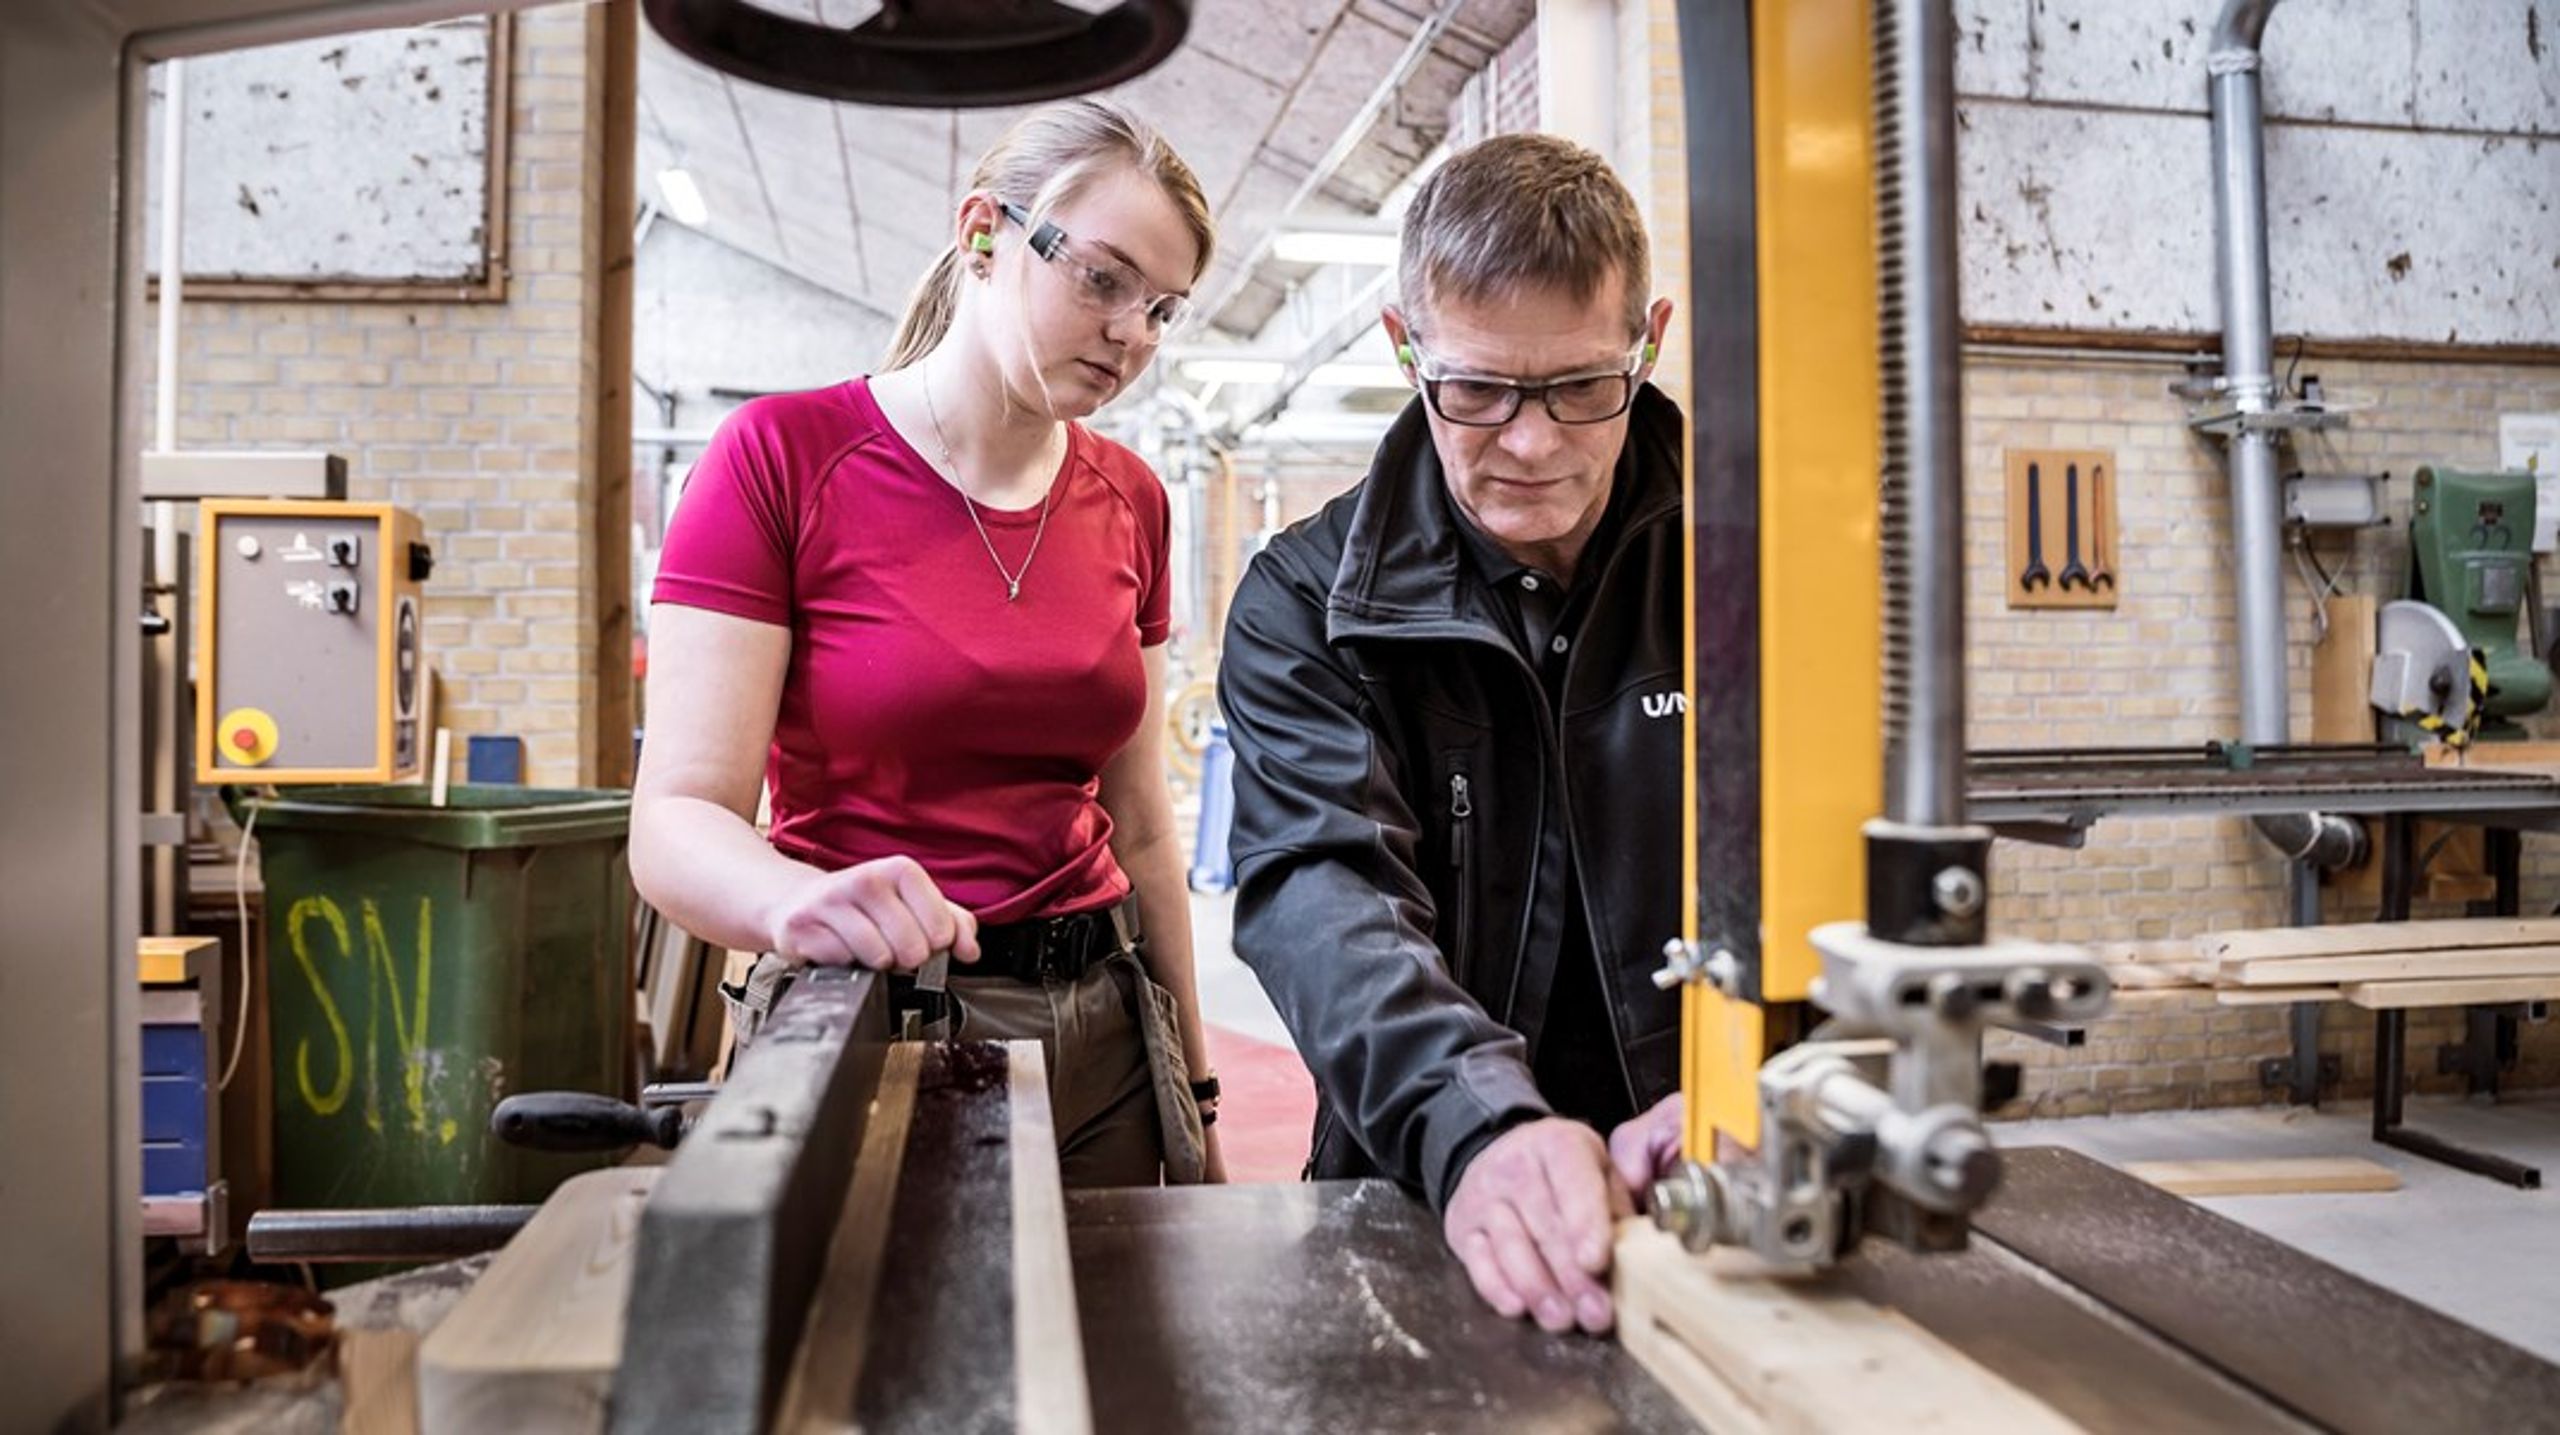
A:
1012,589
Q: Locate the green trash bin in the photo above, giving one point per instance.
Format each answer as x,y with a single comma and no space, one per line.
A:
424,962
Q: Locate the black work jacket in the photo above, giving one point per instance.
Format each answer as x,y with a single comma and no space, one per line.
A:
1408,806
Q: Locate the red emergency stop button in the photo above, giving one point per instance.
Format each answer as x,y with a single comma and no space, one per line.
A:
246,736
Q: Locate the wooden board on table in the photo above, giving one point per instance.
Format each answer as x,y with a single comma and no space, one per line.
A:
827,1369
2441,964
2167,962
2496,754
1048,1335
378,1377
2360,938
535,1343
2455,991
2266,1176
1748,1350
2273,996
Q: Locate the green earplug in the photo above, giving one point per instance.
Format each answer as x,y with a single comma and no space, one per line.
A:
1648,352
983,242
1404,355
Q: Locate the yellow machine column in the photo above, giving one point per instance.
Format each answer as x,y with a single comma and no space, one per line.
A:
1785,615
1837,877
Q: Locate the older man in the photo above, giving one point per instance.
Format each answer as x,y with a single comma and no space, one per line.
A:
1455,695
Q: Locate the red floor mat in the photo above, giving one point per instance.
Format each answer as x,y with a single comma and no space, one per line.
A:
1266,1107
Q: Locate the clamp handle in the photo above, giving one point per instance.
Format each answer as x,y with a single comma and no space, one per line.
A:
582,1121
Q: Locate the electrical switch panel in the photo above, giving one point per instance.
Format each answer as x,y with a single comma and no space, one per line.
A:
307,661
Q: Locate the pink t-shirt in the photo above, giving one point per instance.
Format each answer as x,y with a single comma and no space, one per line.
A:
922,714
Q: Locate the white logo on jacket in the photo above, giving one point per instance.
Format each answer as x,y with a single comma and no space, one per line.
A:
1659,705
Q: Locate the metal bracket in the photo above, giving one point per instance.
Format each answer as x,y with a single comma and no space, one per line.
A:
2229,423
2275,1071
1875,1125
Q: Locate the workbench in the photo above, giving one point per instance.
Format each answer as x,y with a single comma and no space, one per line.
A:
945,1283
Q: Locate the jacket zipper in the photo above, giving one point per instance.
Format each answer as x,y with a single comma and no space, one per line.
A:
1548,725
1462,808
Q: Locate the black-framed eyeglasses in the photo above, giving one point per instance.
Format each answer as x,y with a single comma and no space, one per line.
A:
1103,285
1476,401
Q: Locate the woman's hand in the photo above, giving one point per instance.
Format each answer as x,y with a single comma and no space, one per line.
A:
1213,1164
885,914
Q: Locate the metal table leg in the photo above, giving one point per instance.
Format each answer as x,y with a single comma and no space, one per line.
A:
2390,1038
2488,1045
2391,1027
2302,1019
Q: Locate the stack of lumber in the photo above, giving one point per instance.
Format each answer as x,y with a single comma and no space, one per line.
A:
2376,965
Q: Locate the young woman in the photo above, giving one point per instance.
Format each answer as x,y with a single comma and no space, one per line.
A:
927,610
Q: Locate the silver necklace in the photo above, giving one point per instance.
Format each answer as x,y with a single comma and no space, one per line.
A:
1012,576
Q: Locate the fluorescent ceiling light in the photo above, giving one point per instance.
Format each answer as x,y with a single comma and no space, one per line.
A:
1356,376
683,197
1333,246
1234,371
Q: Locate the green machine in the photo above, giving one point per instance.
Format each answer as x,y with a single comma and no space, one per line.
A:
2449,662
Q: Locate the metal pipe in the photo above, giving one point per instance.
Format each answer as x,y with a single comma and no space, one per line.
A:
2248,362
2248,367
401,1233
1923,451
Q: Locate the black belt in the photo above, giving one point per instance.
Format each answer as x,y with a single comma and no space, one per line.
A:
1064,948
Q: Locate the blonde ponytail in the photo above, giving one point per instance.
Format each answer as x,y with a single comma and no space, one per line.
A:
929,312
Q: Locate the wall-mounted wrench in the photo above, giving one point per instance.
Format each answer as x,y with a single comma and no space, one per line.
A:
2036,574
2102,573
2074,573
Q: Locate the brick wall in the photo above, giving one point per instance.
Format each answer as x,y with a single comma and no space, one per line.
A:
2159,670
468,413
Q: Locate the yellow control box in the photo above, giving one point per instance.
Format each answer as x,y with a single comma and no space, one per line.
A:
308,665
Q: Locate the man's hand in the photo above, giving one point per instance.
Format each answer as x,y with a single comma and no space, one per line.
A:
885,914
1533,1220
1645,1148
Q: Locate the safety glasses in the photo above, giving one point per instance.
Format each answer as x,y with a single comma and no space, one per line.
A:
1102,284
1475,401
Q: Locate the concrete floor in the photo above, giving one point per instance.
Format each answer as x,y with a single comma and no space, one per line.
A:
2468,1246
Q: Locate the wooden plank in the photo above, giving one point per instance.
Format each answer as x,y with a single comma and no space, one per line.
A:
2397,966
2358,938
2342,672
2266,1176
535,1343
1048,1338
604,417
2496,754
165,961
2272,996
827,1369
378,1376
2457,991
1749,1350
